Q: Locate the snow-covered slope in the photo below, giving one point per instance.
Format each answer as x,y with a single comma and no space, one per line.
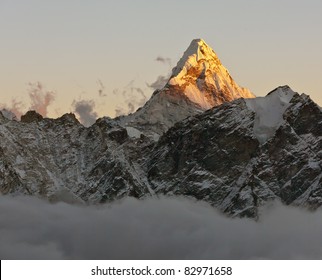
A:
269,111
198,82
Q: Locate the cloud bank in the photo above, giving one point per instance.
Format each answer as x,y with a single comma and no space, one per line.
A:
165,228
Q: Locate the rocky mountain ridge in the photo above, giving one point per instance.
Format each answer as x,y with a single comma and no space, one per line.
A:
215,156
236,156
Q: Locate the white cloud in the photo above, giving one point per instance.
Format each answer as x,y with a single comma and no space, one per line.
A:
85,109
40,98
165,228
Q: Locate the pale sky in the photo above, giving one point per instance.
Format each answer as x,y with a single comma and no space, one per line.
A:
106,51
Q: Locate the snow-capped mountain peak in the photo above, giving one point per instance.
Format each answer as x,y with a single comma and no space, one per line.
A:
198,82
202,78
198,50
283,92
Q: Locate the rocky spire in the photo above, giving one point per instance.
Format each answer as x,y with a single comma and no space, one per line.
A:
200,75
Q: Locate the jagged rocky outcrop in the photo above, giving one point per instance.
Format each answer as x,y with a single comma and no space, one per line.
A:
31,116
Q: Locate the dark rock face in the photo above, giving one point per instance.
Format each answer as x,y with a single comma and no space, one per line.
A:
9,179
119,135
214,156
31,116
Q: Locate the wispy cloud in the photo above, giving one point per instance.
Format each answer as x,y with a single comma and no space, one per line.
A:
161,80
101,89
40,98
134,97
159,83
40,101
165,60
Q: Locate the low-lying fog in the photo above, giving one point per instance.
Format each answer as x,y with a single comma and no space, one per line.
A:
164,228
